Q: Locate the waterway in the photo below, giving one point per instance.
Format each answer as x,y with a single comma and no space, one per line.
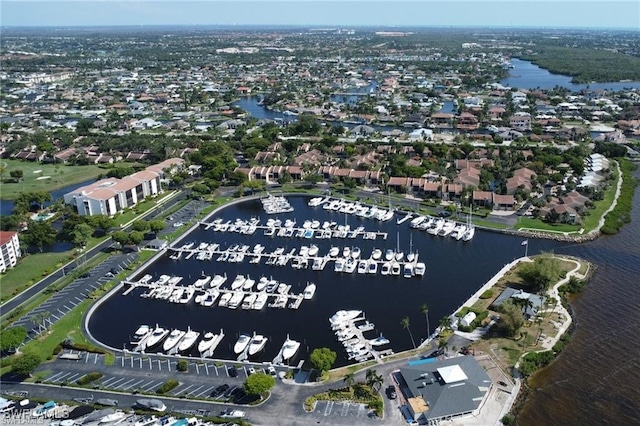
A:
6,206
595,380
455,270
526,75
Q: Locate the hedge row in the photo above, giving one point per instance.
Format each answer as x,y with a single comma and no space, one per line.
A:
167,386
91,377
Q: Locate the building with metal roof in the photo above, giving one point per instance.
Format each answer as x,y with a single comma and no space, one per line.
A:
437,390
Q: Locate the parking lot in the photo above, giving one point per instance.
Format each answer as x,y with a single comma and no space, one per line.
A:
137,373
63,301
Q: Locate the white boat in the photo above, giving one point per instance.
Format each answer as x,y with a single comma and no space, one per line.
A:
201,282
209,298
313,250
446,229
395,268
389,254
236,300
206,342
187,295
334,251
346,252
188,340
343,316
415,222
249,300
379,341
261,300
224,299
408,270
218,280
309,291
376,254
363,266
399,255
420,269
386,268
173,339
241,343
141,334
113,417
156,337
339,265
262,283
350,265
238,282
249,282
355,252
287,351
257,344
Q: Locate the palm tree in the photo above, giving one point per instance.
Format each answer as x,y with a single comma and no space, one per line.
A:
443,345
349,379
445,323
373,379
425,310
405,324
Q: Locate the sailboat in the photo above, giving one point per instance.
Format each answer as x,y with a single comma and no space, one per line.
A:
411,256
471,229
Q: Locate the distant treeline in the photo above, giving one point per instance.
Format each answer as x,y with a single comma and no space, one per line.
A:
586,65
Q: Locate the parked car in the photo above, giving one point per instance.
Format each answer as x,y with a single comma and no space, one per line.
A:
232,414
391,392
233,372
219,390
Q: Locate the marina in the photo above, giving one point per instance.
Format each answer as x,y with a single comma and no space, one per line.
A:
451,270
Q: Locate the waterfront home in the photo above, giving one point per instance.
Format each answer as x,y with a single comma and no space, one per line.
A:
9,250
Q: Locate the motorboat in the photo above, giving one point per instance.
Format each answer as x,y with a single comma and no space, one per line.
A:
334,251
288,350
313,250
415,222
344,316
376,254
350,265
209,298
201,282
249,300
420,269
257,344
346,252
238,282
339,265
408,270
446,229
224,299
395,268
260,301
113,417
386,268
141,334
389,254
458,231
156,337
236,300
262,283
218,280
206,342
248,283
355,252
188,340
173,339
309,291
241,343
186,295
363,266
372,267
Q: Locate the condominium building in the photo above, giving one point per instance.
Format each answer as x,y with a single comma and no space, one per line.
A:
9,250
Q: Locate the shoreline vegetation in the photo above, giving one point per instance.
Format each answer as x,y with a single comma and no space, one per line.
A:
585,65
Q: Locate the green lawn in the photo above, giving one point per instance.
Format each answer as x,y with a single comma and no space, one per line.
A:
538,224
29,270
489,224
45,177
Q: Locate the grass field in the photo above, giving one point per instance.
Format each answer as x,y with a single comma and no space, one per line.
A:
44,177
540,225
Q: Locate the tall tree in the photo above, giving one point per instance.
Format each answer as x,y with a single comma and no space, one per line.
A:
406,325
81,234
39,234
425,310
322,359
349,379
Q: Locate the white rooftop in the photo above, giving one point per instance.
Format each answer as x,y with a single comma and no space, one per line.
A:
452,373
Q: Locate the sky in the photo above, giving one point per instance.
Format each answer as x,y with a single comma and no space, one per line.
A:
344,13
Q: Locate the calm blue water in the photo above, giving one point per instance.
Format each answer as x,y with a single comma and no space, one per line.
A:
455,270
526,75
6,206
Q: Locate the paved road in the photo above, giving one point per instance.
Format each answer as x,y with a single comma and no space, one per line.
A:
50,279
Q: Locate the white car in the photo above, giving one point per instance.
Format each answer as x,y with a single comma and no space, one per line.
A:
232,414
178,224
